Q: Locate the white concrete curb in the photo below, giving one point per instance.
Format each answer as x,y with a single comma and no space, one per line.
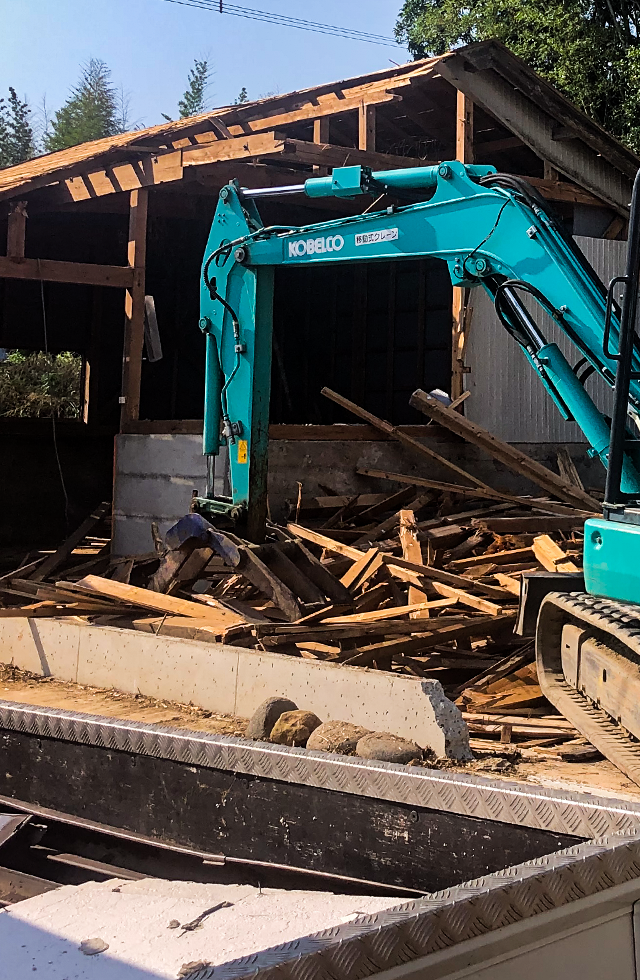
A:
233,680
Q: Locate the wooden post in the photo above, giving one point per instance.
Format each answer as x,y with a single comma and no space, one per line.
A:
321,129
464,153
92,360
16,230
134,308
367,128
549,172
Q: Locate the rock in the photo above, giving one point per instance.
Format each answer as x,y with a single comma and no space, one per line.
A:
174,924
266,715
192,967
90,947
336,736
388,748
294,727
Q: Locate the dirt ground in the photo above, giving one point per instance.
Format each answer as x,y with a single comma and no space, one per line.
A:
599,778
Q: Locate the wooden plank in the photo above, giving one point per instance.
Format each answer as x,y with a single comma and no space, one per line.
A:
391,430
528,525
464,128
396,612
367,127
445,634
411,551
546,506
134,307
567,468
496,558
181,626
53,270
156,601
516,460
507,582
439,575
16,229
351,578
551,556
54,561
334,547
466,599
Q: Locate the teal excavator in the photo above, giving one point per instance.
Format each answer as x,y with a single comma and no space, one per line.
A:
494,231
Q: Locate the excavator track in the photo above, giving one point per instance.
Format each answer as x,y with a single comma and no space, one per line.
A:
617,626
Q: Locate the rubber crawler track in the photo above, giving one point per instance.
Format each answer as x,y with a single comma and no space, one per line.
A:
615,624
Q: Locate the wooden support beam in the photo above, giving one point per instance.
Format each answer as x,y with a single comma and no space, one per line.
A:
134,308
464,128
367,127
464,153
302,151
321,135
16,229
51,270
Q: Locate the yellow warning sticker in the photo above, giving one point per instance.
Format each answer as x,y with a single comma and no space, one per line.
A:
243,446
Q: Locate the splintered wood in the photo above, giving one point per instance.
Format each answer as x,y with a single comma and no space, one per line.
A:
422,579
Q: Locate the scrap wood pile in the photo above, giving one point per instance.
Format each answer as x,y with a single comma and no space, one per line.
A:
420,581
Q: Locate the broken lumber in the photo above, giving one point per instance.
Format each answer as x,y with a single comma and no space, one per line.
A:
516,460
156,601
551,556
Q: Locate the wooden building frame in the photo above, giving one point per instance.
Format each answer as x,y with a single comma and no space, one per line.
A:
478,103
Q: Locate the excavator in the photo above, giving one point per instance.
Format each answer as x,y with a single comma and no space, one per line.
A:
494,231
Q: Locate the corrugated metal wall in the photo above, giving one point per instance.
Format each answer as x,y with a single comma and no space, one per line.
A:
507,397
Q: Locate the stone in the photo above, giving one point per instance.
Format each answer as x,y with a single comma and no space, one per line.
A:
388,748
266,715
90,947
294,727
193,966
336,736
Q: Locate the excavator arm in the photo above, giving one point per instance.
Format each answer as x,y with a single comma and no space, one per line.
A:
492,230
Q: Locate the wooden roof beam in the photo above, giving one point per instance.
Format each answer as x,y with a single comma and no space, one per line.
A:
532,124
79,273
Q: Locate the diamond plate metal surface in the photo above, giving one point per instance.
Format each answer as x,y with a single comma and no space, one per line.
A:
373,943
577,814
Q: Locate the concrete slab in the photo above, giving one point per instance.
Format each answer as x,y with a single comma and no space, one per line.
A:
41,936
233,680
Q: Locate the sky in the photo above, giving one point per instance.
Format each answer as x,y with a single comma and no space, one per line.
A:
150,46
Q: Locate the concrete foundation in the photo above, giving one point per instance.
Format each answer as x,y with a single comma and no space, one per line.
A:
232,680
156,474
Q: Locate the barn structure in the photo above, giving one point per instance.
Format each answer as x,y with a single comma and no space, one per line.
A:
93,231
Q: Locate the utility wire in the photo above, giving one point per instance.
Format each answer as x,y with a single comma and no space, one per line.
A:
282,20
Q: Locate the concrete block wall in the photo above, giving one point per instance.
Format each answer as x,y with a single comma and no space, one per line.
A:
156,474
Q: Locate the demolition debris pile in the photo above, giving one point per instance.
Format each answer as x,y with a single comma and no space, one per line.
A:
423,580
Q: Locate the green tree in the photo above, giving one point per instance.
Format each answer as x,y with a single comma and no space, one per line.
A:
90,112
194,100
243,96
589,49
17,142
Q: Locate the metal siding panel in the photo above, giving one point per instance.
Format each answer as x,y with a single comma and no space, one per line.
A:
506,396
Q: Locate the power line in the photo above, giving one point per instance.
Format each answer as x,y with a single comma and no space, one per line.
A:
282,20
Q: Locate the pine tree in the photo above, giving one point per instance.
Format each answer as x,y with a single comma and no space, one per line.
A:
91,111
194,100
4,135
243,96
17,142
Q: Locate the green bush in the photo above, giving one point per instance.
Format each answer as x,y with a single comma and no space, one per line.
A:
35,385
